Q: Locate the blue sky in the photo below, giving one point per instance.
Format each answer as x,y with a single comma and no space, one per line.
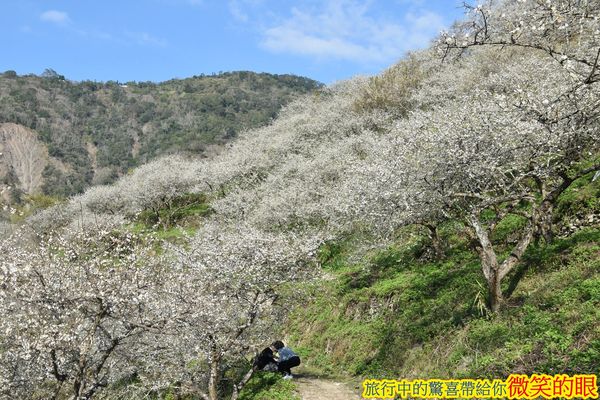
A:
156,40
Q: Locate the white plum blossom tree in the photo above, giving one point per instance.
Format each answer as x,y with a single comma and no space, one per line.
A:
539,133
503,126
72,309
224,287
563,30
86,309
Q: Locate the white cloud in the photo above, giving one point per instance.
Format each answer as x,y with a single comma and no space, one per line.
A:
346,30
55,17
241,10
284,39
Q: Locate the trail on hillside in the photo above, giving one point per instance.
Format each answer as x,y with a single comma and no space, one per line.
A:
311,388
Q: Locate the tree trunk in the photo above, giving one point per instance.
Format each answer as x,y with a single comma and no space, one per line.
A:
545,220
489,264
495,291
492,270
436,241
238,388
213,379
78,386
540,219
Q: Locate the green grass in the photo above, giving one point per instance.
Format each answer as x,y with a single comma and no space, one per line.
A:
401,313
30,204
269,386
366,320
582,197
396,314
176,223
181,211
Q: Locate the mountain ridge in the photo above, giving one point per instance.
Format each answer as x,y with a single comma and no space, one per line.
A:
99,130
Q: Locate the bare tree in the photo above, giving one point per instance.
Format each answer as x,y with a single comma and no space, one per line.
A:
25,154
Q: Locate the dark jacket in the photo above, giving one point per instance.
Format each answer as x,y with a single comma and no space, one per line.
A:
264,358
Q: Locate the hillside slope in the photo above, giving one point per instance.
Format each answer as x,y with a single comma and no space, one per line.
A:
437,220
100,130
403,312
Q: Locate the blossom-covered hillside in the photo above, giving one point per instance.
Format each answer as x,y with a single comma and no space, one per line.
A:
439,218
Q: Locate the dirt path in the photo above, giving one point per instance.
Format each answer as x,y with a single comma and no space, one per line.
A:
311,388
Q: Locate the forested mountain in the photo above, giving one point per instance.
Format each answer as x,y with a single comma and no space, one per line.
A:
95,131
438,220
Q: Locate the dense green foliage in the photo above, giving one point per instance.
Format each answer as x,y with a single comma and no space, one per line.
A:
100,130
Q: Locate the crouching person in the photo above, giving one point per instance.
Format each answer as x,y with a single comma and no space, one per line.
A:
287,359
265,361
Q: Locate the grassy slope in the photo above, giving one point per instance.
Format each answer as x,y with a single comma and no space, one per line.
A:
400,313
